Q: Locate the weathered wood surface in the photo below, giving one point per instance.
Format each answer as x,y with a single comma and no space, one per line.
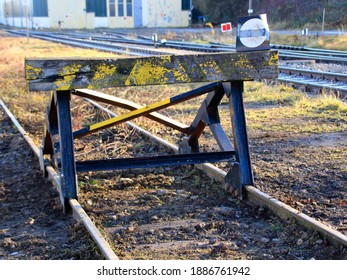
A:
77,73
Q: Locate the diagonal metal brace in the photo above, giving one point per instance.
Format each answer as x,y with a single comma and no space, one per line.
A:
146,110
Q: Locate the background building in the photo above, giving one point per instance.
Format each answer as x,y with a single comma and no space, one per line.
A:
92,14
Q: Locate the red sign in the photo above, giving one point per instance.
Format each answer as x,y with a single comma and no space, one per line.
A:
226,27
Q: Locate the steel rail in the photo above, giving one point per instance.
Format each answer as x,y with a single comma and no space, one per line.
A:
340,89
253,195
311,83
209,48
310,79
310,50
338,77
286,52
149,42
285,55
105,46
77,211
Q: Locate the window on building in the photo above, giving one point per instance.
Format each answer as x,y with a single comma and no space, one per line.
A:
100,8
112,8
185,5
121,8
129,8
90,6
97,6
40,8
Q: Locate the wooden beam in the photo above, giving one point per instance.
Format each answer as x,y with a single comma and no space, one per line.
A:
76,73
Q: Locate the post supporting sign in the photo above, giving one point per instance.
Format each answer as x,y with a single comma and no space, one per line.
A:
226,27
252,33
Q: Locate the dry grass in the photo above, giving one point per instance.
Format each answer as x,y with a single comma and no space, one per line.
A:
28,107
14,50
338,42
292,111
261,93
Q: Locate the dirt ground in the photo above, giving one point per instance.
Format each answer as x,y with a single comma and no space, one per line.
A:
32,226
307,172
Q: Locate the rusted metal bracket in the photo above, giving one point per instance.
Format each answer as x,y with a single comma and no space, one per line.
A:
232,181
207,115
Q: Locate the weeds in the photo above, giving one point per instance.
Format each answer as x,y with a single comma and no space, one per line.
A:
264,94
323,104
338,42
277,228
292,110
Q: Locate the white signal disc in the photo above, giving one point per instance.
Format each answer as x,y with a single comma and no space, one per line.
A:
253,24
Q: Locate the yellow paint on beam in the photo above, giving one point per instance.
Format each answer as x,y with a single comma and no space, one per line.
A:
243,62
32,73
180,74
148,71
69,74
130,115
103,71
273,61
145,72
206,69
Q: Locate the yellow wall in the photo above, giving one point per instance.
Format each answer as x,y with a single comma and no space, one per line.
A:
120,22
117,21
72,15
155,13
165,13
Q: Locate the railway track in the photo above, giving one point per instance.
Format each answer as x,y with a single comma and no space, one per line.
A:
318,55
337,77
78,213
255,195
286,52
314,80
309,80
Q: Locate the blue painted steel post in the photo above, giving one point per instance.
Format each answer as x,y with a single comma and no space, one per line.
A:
68,167
234,91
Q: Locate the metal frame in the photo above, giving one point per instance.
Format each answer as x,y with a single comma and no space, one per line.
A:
58,139
225,74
